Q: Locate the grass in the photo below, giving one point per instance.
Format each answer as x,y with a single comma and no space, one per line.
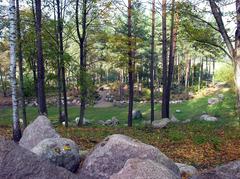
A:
203,144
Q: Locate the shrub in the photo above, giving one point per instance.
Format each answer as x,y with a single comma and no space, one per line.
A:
225,74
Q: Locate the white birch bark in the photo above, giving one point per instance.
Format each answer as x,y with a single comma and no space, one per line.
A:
12,44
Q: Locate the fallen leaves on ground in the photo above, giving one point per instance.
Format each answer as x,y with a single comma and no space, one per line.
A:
202,156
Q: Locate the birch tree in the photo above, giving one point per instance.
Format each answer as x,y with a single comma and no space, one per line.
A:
12,43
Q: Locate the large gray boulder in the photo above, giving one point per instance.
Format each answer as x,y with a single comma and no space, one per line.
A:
158,124
37,131
60,151
111,154
18,163
227,171
144,169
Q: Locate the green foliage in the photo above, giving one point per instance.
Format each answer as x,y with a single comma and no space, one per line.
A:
146,93
225,74
29,87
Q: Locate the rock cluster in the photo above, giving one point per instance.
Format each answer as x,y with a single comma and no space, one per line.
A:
110,122
115,153
40,138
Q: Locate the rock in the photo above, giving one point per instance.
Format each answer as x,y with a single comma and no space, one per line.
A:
85,121
60,151
17,162
227,171
174,119
146,123
143,169
74,101
115,121
136,114
178,110
220,96
213,101
120,104
206,117
186,121
186,169
101,122
158,124
37,131
110,122
110,155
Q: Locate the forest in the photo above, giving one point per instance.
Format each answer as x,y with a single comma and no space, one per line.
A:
120,89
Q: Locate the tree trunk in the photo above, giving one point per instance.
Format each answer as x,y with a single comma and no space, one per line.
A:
193,72
188,66
130,65
82,39
12,44
152,61
33,54
237,57
178,70
174,27
40,62
200,75
164,59
2,83
59,84
213,72
20,65
61,53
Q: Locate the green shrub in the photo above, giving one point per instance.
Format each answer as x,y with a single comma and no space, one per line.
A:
146,93
225,74
29,87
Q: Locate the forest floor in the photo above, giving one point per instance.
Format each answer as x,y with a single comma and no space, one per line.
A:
199,143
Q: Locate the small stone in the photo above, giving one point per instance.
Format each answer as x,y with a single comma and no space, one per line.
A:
174,119
213,101
136,114
158,124
206,117
186,169
186,121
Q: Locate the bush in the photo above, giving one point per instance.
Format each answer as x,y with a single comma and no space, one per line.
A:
29,87
225,74
146,93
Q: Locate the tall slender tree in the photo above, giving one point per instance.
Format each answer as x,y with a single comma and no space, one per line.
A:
40,62
172,53
82,45
12,43
59,79
152,60
61,53
20,64
164,58
233,51
130,65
